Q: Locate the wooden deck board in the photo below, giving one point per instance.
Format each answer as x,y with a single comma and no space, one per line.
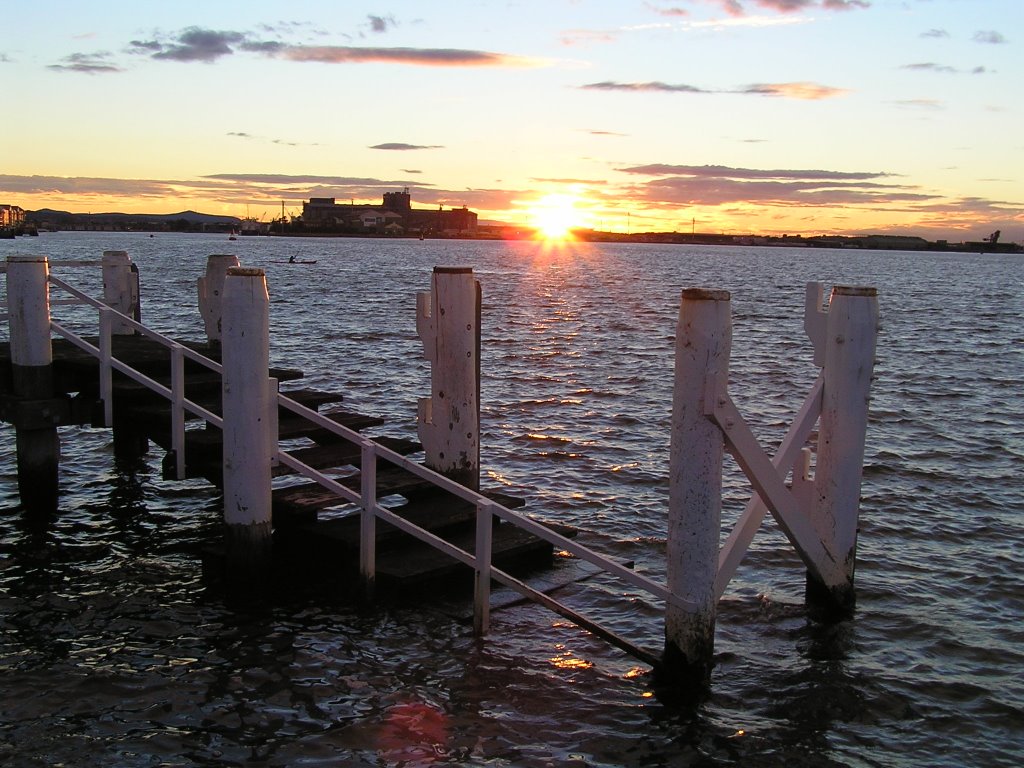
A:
343,454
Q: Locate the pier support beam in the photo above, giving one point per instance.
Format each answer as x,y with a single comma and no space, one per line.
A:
38,445
121,289
448,323
211,293
703,346
849,356
248,423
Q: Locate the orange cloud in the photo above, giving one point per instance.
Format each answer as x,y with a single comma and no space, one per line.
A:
806,91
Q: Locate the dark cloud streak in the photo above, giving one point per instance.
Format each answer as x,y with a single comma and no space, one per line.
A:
650,87
380,24
727,172
87,64
401,147
930,66
430,57
802,91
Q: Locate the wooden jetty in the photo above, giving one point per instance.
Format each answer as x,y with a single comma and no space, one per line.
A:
389,519
306,519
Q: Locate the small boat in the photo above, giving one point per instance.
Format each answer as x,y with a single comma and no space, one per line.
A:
293,261
232,236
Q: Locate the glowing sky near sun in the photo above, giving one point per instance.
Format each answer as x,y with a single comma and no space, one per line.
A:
763,116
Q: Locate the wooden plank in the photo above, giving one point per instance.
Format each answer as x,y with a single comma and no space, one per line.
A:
313,496
295,426
343,453
419,565
312,398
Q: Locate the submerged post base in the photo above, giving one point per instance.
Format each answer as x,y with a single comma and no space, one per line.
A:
38,467
248,552
683,673
830,604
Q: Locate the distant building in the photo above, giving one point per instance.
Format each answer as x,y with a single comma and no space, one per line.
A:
11,216
395,215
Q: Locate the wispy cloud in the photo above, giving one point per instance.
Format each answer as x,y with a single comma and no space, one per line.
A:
713,185
401,147
725,171
803,91
87,64
280,142
295,180
653,86
937,34
989,37
739,7
429,57
931,66
570,181
572,37
670,11
926,104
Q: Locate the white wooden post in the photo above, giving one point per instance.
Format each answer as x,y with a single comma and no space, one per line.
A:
178,409
448,323
106,347
37,442
851,332
248,443
482,573
368,517
703,345
211,293
120,288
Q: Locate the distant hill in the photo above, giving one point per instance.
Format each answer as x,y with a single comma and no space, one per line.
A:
66,218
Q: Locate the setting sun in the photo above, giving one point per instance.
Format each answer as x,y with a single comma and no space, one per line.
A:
555,216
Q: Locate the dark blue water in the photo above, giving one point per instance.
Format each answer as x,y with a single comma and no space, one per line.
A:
113,652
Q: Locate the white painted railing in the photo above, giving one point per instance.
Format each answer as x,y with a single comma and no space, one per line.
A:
366,499
175,394
481,564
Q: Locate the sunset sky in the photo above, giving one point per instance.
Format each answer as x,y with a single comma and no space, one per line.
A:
763,116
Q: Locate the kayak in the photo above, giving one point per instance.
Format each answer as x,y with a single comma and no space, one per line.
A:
297,261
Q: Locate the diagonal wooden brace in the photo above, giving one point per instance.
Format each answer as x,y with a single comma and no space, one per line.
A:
765,479
742,534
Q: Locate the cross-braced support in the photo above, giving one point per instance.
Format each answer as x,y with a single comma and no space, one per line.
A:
818,513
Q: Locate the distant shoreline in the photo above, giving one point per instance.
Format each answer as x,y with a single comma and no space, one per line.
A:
194,222
835,242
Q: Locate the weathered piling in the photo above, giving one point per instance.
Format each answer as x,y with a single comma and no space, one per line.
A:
211,293
248,426
120,288
37,442
703,345
849,355
448,324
